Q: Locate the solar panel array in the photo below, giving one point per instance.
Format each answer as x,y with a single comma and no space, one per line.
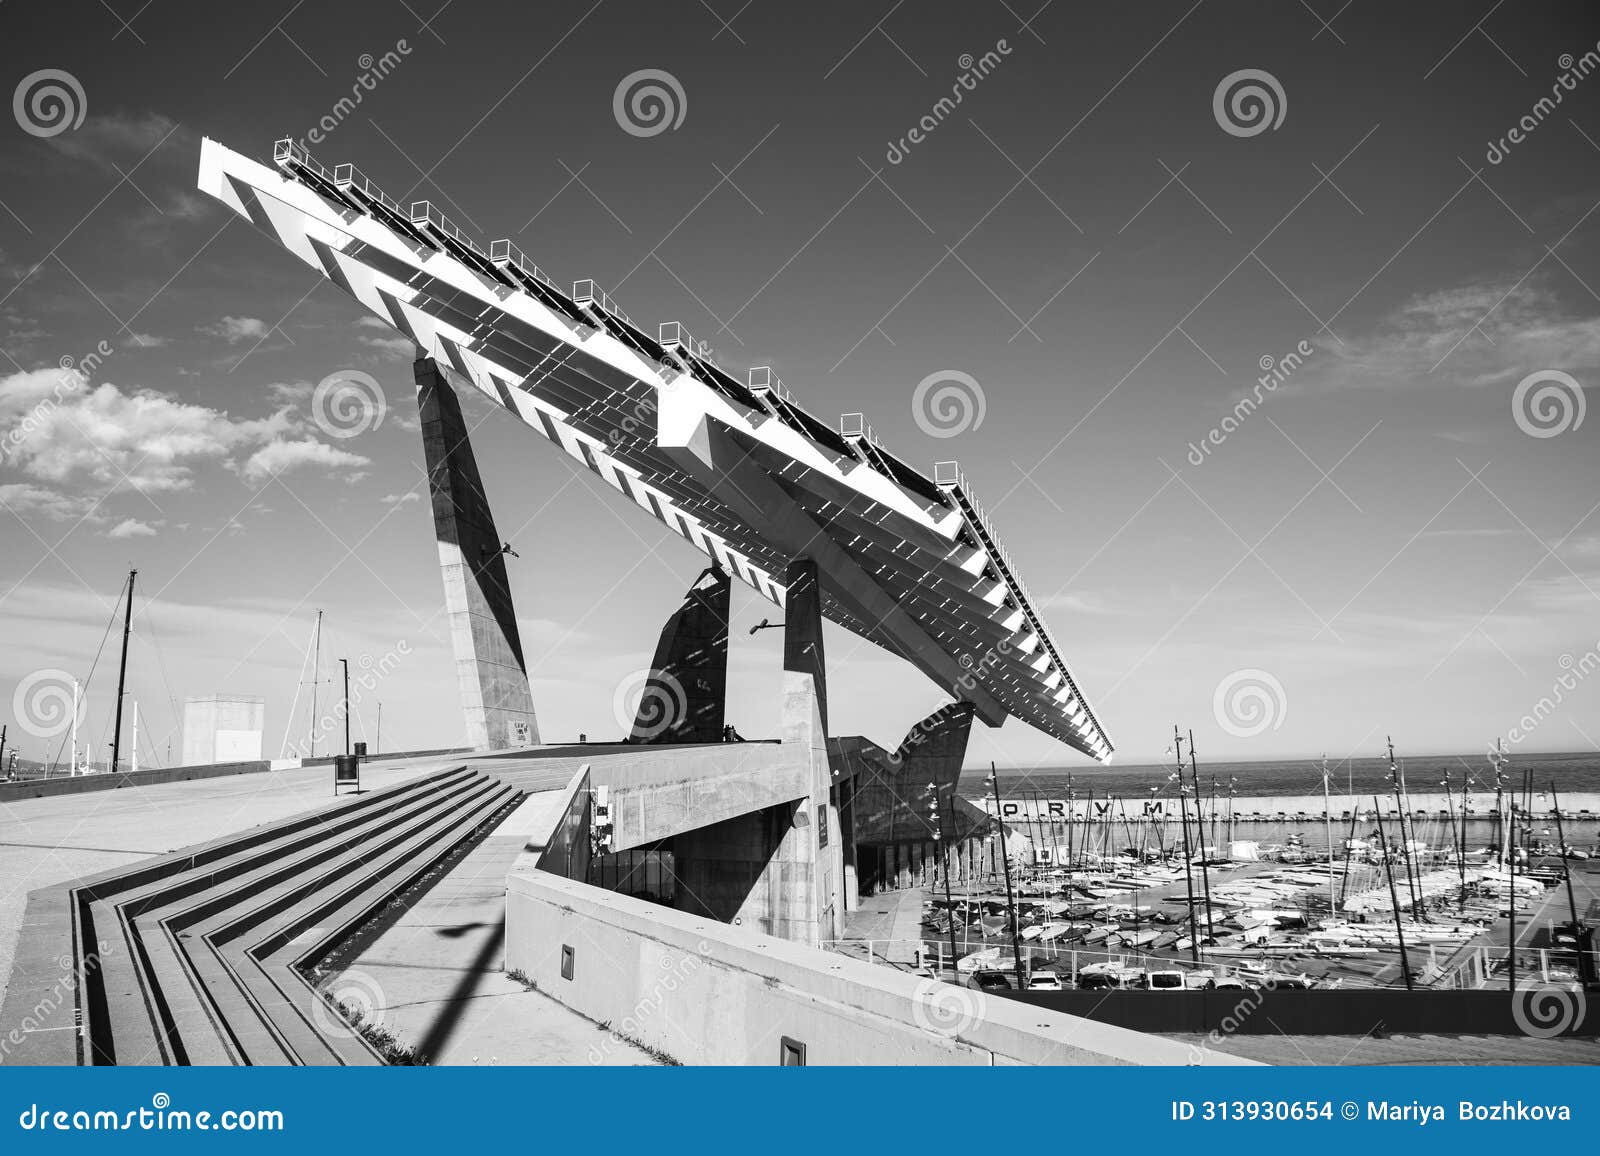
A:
575,367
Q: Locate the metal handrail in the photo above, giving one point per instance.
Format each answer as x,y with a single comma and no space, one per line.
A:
673,333
427,213
761,377
289,150
503,252
347,176
587,291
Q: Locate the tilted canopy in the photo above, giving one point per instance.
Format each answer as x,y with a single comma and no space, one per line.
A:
736,467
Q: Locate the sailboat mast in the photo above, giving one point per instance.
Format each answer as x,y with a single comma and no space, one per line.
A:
1397,776
316,675
122,675
1566,861
1188,855
1394,897
1200,834
75,705
1327,826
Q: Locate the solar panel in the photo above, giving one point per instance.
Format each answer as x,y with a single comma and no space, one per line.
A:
739,469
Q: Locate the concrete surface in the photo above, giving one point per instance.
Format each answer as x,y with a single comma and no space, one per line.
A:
437,980
889,924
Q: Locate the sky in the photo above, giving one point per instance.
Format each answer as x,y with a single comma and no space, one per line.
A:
1400,534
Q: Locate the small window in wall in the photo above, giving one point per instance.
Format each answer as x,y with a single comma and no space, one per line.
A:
791,1053
568,959
822,824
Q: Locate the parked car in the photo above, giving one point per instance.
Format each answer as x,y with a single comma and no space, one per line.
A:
992,981
1098,981
1165,980
1044,981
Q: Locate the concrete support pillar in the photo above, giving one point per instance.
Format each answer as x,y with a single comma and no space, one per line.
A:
816,846
493,678
685,698
844,805
781,870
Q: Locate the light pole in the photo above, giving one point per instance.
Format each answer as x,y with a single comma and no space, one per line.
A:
345,662
932,795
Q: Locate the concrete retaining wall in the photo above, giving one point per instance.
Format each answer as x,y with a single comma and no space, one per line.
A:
567,853
704,992
81,784
1348,1012
663,791
1575,806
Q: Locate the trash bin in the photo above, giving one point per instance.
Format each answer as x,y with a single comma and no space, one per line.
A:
346,772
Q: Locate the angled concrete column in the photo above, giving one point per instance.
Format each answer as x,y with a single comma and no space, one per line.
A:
495,696
891,803
781,870
685,700
816,845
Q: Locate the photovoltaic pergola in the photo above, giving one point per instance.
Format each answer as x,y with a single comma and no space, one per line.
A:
734,465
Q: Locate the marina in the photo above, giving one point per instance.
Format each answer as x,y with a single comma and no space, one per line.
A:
1148,890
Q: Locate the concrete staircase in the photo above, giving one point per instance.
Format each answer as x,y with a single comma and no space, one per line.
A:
203,956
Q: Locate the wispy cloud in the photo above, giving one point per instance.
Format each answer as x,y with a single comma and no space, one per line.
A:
281,456
1480,334
132,528
236,329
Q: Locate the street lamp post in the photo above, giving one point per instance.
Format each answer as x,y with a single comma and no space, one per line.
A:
345,662
937,814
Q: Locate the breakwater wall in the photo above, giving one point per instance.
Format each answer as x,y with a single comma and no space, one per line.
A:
1576,808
